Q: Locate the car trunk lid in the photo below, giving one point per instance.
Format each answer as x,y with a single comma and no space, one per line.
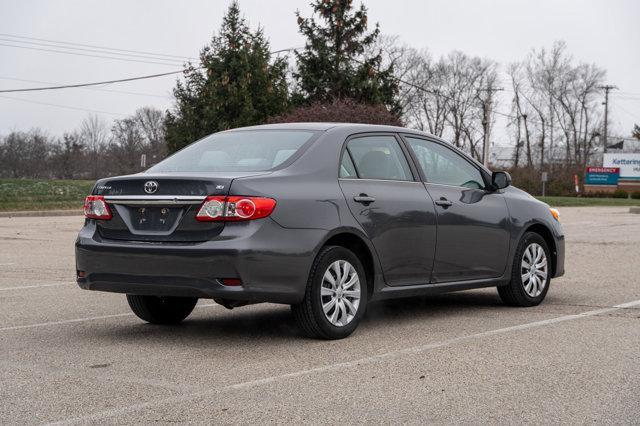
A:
161,208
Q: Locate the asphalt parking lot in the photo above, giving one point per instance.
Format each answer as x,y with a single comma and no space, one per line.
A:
74,356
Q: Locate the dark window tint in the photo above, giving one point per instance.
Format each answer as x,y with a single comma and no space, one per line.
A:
347,169
379,157
445,166
251,150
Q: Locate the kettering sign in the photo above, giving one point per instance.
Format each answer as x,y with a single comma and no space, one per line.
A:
629,164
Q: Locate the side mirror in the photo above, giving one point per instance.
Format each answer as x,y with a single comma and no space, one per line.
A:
500,180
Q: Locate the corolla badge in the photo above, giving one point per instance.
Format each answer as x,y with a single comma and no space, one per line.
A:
150,186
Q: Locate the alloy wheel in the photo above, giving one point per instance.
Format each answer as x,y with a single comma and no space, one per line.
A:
534,269
340,293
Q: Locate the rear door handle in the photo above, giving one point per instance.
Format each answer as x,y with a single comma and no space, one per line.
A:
364,199
443,202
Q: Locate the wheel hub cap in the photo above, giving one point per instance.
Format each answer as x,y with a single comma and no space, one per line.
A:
340,293
534,269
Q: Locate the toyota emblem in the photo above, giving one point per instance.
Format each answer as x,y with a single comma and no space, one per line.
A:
150,186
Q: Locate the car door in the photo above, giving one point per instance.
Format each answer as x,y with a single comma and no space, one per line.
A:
473,222
393,207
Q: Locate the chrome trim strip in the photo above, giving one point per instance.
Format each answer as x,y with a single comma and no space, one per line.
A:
379,180
154,199
456,186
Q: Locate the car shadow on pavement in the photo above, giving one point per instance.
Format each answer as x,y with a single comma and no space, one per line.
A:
275,322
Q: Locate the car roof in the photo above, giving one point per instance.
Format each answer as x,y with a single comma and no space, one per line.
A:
355,128
324,126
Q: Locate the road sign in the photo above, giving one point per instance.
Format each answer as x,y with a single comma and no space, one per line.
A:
627,163
602,176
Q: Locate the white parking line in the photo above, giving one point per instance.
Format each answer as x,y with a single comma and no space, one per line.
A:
338,366
76,320
32,286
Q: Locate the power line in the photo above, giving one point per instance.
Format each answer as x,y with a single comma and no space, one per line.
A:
88,55
630,114
130,55
63,106
98,83
626,98
98,47
89,88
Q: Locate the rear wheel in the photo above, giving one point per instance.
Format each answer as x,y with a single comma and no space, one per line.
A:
531,273
161,310
336,295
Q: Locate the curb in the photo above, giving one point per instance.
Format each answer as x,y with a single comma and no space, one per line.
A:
634,210
38,213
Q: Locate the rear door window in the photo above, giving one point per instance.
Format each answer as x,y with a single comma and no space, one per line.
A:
347,169
378,157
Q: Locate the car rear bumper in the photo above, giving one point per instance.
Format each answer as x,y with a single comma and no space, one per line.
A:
272,262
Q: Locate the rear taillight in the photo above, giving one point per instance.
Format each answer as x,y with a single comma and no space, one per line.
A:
235,208
96,208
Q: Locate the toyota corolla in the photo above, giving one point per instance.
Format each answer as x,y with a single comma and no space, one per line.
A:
324,217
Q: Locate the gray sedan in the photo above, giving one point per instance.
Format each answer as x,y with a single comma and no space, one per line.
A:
322,216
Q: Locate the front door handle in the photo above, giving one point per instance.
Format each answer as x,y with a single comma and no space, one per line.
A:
364,199
443,202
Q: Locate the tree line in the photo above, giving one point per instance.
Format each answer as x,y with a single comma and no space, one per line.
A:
347,71
92,151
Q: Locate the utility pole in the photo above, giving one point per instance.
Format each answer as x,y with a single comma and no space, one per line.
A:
486,123
607,88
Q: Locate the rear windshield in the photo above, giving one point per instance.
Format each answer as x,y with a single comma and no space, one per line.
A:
251,151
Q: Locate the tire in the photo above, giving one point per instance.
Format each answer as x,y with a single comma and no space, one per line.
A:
161,310
521,291
310,315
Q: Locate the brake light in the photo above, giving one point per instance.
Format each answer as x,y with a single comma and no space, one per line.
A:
235,208
96,208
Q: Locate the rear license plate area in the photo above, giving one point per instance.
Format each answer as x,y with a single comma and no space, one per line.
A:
158,219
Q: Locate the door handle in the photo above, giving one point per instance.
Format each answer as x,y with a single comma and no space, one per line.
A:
364,199
443,202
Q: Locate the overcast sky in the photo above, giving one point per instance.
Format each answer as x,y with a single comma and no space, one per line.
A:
605,32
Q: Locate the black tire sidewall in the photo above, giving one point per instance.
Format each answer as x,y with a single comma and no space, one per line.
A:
328,257
161,310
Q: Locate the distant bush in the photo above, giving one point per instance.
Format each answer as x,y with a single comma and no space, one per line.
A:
620,193
560,180
598,194
340,111
635,195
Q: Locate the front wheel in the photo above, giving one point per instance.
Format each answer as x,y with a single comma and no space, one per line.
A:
531,273
161,310
335,297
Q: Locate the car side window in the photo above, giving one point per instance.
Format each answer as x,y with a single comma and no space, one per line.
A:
445,166
379,157
347,169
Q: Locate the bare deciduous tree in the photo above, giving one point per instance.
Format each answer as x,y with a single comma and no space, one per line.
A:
450,97
552,96
95,136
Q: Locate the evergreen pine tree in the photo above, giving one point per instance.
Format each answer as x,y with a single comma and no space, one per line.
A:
333,64
237,84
